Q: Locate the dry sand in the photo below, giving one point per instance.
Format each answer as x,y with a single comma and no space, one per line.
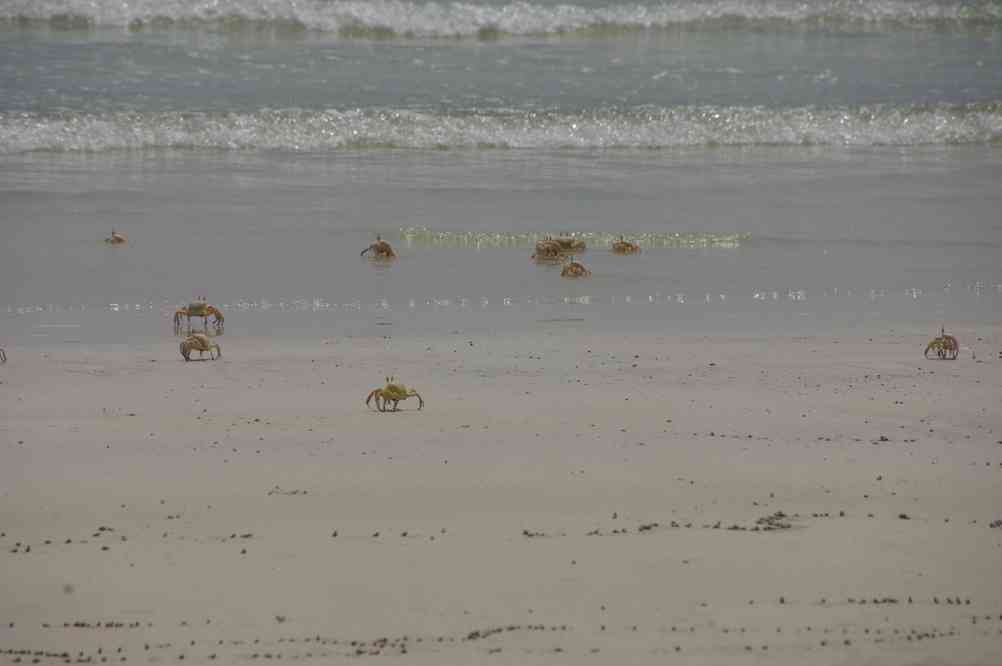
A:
562,499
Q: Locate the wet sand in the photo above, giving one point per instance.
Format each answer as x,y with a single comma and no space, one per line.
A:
562,498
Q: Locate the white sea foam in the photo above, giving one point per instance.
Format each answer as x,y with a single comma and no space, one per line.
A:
450,19
309,131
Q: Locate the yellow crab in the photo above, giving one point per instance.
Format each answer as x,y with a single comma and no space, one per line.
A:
573,269
380,250
554,249
623,246
945,346
393,392
198,309
548,250
116,238
200,343
570,244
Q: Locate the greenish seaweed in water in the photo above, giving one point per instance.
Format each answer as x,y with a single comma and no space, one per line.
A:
420,235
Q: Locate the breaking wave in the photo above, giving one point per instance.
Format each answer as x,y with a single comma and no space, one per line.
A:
299,130
406,18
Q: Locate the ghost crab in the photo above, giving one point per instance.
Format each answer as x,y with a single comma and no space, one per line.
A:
199,309
380,250
393,392
573,269
201,343
623,246
945,346
568,244
554,249
548,250
116,238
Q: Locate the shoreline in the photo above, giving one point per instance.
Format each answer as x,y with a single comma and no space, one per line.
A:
563,497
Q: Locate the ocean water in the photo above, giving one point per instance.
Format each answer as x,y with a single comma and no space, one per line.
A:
787,167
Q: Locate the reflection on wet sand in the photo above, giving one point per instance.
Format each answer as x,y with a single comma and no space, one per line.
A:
691,295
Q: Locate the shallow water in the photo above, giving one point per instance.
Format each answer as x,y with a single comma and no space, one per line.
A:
764,239
787,167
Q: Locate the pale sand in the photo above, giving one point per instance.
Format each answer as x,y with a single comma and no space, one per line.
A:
562,499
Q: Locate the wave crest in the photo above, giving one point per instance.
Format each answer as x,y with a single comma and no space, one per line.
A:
316,131
387,18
